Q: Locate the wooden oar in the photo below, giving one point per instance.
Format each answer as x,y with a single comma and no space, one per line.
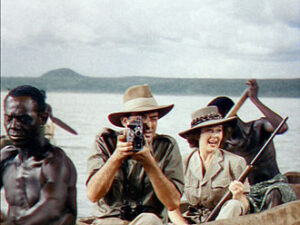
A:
59,122
63,125
238,105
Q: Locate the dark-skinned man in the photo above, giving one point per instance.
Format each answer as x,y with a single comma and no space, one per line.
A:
39,179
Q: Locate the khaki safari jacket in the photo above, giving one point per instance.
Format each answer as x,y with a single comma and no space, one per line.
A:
131,185
206,191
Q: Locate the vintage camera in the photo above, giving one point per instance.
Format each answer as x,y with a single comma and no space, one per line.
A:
135,133
128,212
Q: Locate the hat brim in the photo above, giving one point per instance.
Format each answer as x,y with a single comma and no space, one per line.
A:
188,132
115,118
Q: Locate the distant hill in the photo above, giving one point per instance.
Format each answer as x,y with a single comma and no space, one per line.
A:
67,80
63,73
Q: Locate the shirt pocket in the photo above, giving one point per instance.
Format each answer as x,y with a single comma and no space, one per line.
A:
221,182
192,191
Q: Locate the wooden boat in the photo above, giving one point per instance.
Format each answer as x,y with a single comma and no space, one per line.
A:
294,180
288,213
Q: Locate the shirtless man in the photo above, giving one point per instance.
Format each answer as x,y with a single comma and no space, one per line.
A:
268,187
39,179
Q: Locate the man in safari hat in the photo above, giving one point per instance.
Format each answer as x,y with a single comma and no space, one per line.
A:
135,182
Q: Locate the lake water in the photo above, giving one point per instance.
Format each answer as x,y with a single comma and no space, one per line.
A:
87,114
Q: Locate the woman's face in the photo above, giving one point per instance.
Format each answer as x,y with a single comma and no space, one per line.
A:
210,138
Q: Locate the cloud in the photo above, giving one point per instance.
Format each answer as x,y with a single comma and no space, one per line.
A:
210,38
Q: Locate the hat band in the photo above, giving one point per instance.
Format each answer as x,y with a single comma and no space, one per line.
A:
205,118
139,102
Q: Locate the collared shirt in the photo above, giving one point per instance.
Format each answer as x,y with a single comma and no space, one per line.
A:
206,190
131,183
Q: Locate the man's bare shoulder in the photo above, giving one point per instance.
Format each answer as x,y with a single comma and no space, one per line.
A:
8,152
57,156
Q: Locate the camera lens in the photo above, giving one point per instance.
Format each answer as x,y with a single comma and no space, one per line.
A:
138,132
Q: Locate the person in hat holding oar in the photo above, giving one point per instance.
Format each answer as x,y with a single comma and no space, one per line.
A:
210,171
269,187
132,185
39,179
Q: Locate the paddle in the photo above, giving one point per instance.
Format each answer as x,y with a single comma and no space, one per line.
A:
59,122
238,105
63,125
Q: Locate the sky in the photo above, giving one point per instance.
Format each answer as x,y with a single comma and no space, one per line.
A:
167,38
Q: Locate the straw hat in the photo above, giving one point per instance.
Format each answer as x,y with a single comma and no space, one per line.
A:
208,116
138,99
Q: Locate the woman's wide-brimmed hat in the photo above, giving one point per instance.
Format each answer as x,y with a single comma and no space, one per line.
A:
208,116
138,99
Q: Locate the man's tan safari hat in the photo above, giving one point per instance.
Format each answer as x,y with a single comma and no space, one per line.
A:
138,99
208,116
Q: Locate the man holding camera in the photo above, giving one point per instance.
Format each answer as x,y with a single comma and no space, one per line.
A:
135,179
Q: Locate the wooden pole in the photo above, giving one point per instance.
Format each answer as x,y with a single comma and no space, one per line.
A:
238,105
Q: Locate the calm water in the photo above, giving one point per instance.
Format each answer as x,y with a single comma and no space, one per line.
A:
87,113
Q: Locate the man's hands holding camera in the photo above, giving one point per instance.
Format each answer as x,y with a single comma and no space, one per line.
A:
124,149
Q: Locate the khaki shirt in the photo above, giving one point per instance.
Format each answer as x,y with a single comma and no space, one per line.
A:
131,184
206,191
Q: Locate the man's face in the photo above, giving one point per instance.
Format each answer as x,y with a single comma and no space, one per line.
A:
21,120
149,124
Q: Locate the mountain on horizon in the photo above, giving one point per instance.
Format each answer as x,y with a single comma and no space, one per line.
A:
67,80
65,73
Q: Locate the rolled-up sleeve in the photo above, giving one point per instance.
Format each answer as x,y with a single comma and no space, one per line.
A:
99,154
173,168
